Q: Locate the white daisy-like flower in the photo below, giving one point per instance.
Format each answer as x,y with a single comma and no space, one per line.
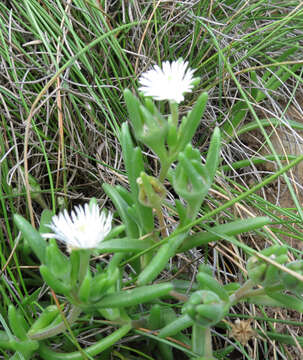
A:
85,228
169,83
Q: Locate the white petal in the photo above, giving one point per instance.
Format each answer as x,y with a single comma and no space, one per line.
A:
84,228
168,83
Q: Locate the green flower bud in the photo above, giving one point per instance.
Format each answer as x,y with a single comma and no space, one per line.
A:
153,130
264,273
151,191
256,270
190,179
150,127
291,283
205,308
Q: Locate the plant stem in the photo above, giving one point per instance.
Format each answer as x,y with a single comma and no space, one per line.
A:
174,112
92,350
262,291
240,293
246,291
84,263
201,341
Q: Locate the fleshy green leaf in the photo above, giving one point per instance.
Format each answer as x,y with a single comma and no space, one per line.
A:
136,296
32,236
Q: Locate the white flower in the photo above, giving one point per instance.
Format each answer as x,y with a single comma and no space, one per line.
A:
169,83
85,228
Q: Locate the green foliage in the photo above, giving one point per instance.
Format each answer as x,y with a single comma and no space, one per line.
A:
32,236
86,54
50,317
264,273
293,284
204,307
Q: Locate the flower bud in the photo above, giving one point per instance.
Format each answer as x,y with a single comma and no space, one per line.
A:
190,179
151,191
150,127
154,129
291,283
205,307
264,273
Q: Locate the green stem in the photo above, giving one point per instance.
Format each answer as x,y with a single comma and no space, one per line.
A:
84,263
166,159
92,350
47,333
174,112
246,291
262,291
201,341
240,293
